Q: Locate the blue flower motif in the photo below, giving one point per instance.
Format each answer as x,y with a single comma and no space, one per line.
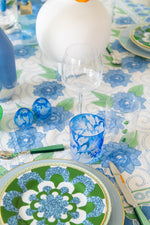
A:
138,9
141,9
49,89
24,51
57,119
15,35
132,5
47,206
124,20
25,139
134,64
127,102
116,78
117,46
124,157
114,122
112,179
145,8
146,211
124,102
148,19
130,221
143,14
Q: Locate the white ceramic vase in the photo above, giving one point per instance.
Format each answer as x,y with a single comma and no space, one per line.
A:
61,23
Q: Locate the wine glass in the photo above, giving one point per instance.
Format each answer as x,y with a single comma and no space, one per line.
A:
81,69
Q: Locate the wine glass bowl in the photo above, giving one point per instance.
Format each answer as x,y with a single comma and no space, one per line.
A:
81,69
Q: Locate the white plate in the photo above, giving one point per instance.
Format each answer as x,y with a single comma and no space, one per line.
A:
117,215
126,42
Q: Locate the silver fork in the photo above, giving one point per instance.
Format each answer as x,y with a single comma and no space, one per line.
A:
115,59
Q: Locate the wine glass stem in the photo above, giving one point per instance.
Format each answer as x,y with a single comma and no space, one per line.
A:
80,102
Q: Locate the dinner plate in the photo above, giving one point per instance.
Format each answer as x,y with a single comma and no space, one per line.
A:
126,42
54,193
101,182
140,35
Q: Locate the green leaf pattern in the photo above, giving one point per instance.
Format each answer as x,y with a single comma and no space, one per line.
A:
67,104
49,73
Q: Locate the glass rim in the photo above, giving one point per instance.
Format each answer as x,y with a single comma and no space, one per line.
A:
75,116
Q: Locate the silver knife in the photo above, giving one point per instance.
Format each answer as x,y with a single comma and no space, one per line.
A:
128,195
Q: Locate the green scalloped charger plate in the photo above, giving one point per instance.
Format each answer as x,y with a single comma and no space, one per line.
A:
77,188
54,193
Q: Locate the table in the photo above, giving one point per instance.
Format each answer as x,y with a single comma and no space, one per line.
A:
37,80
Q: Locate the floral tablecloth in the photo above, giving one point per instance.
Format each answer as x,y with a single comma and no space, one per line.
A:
36,80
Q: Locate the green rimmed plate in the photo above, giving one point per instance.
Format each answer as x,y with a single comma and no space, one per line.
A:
140,35
50,192
126,42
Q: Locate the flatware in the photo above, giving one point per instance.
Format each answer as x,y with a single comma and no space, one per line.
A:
52,148
115,59
128,195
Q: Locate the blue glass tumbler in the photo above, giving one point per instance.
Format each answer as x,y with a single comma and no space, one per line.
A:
86,137
8,76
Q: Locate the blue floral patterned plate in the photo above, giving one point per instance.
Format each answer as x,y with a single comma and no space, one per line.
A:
140,35
54,193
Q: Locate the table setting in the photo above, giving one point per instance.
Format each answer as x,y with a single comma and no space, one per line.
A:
75,115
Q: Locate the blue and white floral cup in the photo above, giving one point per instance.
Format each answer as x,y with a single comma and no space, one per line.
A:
86,137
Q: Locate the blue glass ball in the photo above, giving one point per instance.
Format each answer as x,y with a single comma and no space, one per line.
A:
24,118
42,108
